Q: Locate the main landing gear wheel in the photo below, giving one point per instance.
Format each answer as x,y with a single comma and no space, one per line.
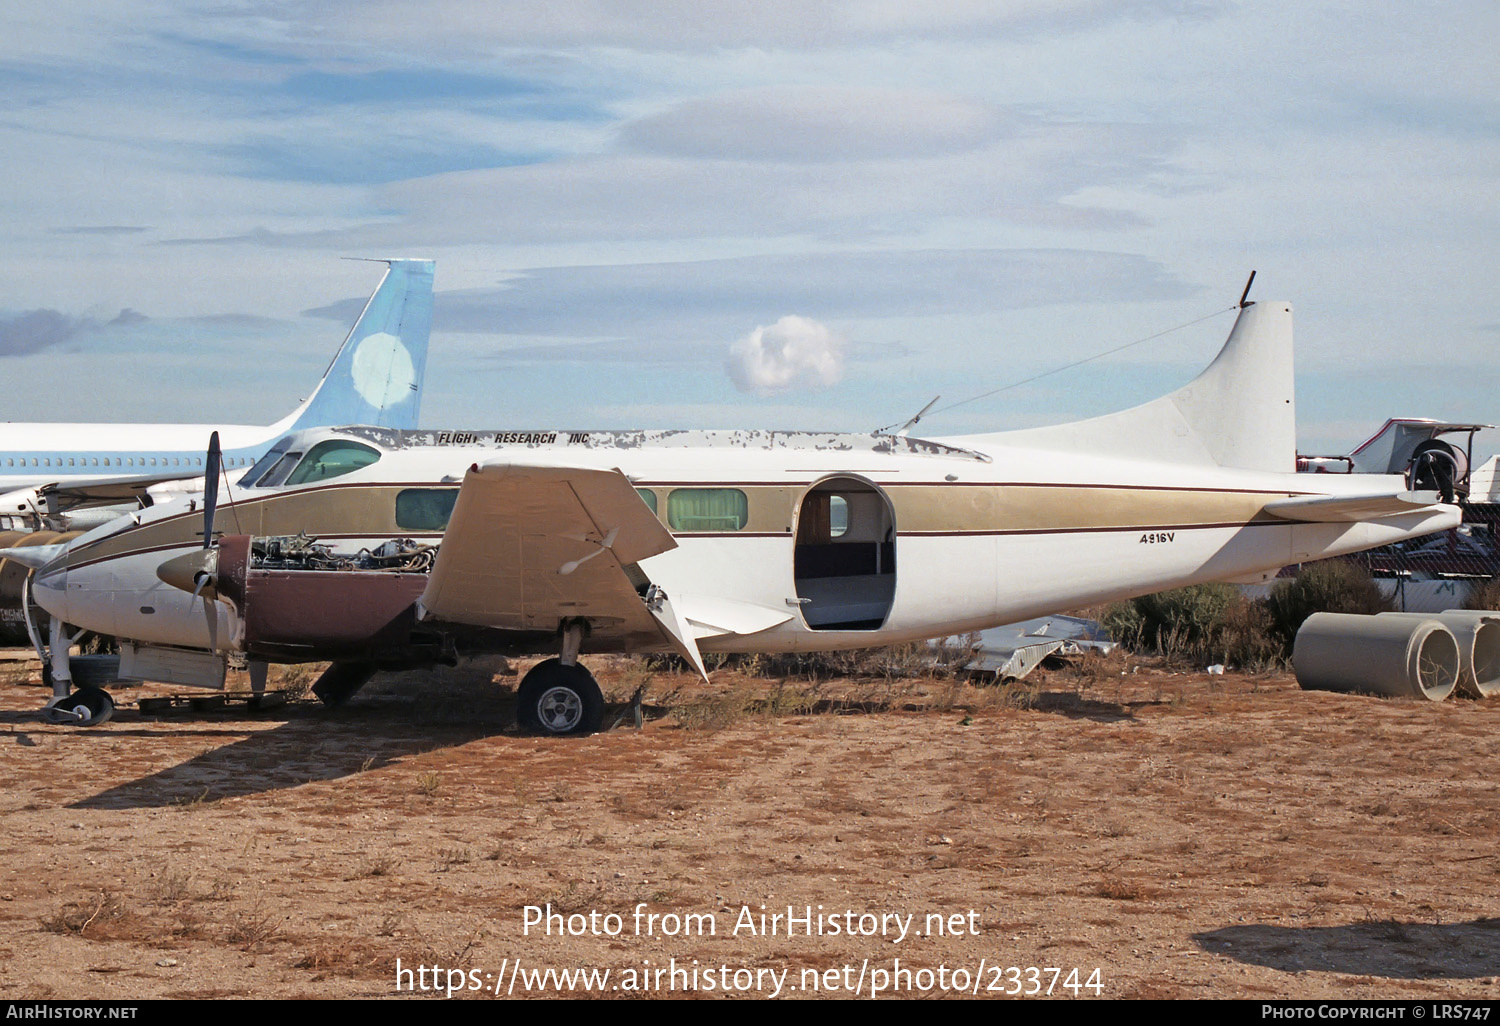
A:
557,699
89,707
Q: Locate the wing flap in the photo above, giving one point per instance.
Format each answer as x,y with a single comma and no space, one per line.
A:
710,616
1349,508
529,546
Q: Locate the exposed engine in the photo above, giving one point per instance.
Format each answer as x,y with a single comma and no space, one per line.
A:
300,552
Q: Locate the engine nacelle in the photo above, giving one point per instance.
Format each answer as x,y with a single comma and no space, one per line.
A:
1438,466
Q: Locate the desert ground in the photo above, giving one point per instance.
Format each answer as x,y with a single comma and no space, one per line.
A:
1165,834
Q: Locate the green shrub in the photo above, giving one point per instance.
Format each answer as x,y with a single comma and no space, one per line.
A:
1327,586
1181,618
1197,625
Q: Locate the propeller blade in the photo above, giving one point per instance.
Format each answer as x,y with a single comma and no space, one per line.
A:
211,489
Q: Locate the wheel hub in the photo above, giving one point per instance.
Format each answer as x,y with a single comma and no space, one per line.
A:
559,709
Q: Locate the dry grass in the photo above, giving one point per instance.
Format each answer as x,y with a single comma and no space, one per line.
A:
100,917
1110,812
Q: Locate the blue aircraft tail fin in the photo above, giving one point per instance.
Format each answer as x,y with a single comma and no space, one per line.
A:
376,376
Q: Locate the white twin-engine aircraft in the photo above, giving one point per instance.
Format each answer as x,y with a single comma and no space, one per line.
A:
374,548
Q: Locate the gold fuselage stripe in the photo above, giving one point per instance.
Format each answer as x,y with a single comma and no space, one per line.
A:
931,508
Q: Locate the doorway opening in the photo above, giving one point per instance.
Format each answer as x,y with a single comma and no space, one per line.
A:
844,562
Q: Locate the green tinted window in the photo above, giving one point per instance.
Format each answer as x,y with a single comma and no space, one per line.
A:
425,509
707,509
648,497
333,458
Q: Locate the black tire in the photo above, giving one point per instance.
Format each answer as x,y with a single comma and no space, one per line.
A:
558,700
93,704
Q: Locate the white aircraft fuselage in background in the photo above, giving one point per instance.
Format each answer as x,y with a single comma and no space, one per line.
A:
374,378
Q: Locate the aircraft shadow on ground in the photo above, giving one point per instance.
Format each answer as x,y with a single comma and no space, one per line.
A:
315,744
1074,706
1066,705
310,744
1388,948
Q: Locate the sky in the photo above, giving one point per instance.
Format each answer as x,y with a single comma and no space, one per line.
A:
768,214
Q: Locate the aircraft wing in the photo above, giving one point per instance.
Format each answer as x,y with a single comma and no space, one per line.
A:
529,546
60,497
1341,508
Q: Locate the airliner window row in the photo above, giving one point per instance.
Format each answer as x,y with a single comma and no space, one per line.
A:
118,461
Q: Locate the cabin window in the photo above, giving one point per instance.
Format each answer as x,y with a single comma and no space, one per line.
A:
333,458
707,509
425,509
648,497
838,516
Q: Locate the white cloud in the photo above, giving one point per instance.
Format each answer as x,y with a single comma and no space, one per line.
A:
795,351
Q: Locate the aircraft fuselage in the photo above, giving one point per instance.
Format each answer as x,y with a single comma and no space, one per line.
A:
784,541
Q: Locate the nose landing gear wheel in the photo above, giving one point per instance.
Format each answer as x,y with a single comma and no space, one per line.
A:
86,707
557,699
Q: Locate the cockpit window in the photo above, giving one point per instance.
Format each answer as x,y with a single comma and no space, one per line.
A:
252,476
279,470
333,458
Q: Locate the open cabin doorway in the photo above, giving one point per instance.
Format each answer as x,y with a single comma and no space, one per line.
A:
844,563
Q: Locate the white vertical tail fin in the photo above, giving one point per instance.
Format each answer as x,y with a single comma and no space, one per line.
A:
1240,412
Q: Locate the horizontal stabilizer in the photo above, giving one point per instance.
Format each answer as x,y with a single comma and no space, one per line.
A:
1331,509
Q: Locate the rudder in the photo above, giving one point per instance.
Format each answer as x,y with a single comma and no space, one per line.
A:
376,376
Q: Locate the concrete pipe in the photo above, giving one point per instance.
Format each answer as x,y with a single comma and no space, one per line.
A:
1478,637
1485,660
1376,654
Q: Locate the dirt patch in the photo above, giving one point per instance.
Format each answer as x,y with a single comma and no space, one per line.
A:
1185,835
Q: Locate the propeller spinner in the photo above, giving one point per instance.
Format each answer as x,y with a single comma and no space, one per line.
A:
197,572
